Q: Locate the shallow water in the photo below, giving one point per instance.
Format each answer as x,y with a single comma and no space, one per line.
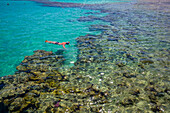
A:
130,60
26,25
124,67
90,1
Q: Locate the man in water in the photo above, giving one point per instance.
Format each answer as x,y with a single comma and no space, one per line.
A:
63,43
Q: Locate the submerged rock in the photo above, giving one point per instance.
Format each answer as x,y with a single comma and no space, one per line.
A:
146,61
87,18
37,85
110,75
99,27
112,39
36,74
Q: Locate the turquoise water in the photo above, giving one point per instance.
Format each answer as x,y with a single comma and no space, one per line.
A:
125,68
25,25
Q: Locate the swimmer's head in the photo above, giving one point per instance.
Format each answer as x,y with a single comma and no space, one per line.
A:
68,43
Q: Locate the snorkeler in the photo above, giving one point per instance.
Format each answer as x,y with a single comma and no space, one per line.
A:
63,43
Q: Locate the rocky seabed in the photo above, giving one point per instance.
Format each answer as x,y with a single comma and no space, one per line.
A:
124,69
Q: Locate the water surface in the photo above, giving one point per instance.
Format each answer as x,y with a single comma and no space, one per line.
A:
26,25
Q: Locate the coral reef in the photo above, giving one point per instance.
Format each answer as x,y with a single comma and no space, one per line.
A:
39,86
124,69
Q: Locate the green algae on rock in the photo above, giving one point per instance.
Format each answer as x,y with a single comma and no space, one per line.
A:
21,91
36,89
124,69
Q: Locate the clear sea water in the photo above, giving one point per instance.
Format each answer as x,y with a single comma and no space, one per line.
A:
25,25
90,1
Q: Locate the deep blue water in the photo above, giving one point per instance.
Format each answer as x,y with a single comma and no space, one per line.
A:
25,25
